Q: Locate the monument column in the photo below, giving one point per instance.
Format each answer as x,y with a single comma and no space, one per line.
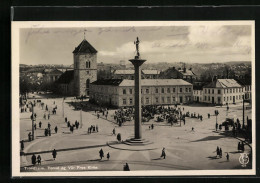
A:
137,62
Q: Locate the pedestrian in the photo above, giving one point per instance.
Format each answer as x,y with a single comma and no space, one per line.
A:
101,153
54,154
208,115
238,146
184,121
56,129
114,131
126,167
29,136
152,126
68,124
119,137
22,145
97,116
97,128
217,151
163,153
49,125
216,127
220,152
39,159
40,124
46,132
227,156
33,159
49,131
66,119
192,129
48,116
34,126
108,156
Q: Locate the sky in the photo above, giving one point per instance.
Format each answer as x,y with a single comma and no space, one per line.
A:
200,44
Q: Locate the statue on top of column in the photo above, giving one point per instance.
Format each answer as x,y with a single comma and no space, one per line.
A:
137,47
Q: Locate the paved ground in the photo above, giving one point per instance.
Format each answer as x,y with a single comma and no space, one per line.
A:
185,149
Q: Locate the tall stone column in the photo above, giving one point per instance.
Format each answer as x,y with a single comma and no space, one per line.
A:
138,109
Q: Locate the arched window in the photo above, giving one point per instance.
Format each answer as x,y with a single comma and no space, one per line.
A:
87,84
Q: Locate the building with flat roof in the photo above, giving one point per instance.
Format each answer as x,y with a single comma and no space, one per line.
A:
120,92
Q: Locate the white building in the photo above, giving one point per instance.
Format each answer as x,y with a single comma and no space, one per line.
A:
120,93
223,91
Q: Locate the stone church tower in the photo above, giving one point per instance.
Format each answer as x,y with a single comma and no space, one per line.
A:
85,67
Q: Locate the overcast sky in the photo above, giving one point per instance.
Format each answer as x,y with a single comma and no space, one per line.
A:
202,44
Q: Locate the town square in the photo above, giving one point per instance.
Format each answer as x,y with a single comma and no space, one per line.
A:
141,102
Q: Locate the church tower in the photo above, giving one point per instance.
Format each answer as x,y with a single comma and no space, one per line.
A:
85,67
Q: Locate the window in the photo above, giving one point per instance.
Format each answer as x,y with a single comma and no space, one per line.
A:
141,90
227,90
88,64
168,100
173,90
239,96
168,90
236,90
147,90
186,90
205,98
224,91
180,90
208,98
162,99
190,90
209,91
131,91
147,100
224,98
142,100
173,99
236,97
233,90
227,98
230,97
212,91
205,91
124,101
87,83
156,99
218,91
124,91
156,90
162,90
230,90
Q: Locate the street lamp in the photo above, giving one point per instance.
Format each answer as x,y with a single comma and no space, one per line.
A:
81,115
63,107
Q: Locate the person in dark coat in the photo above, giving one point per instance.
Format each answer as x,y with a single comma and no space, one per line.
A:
33,159
22,145
49,131
66,119
39,160
227,156
217,151
238,146
40,124
108,156
56,129
29,136
220,152
34,126
163,153
54,154
126,167
119,137
101,153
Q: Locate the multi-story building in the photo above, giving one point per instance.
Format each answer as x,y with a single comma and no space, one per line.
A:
173,73
120,92
223,91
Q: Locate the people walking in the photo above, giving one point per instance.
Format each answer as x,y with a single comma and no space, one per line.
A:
163,153
39,160
220,152
217,151
54,154
227,156
101,153
33,159
56,129
40,124
126,167
108,156
22,145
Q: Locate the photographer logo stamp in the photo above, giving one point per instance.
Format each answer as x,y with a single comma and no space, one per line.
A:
243,159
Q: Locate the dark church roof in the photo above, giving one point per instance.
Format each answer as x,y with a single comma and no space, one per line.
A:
114,82
66,77
85,47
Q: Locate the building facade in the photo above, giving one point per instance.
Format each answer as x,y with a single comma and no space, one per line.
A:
120,92
223,91
129,74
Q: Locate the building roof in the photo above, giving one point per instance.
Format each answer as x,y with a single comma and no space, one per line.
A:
66,77
122,72
85,47
113,82
151,71
223,83
187,72
244,82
